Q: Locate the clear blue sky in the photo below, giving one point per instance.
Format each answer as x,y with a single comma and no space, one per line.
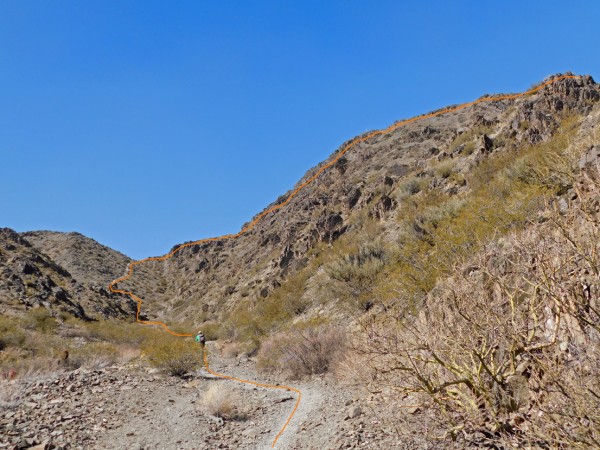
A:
144,124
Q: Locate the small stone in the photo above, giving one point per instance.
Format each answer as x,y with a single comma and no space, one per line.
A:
249,432
354,412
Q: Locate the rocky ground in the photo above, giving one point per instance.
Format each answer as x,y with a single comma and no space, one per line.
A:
135,407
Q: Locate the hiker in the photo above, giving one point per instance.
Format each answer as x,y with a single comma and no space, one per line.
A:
201,339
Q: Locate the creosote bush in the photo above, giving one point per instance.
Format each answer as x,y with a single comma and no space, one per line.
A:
175,356
354,274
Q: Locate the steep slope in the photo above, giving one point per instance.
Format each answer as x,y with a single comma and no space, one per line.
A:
30,278
370,183
506,344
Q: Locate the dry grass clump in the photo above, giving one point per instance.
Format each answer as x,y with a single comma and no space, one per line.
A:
175,356
300,352
232,349
468,137
29,368
96,355
221,401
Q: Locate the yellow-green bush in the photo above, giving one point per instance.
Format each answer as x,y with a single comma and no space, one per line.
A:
176,356
507,191
119,332
39,319
10,333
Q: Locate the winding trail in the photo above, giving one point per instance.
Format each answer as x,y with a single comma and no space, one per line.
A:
112,286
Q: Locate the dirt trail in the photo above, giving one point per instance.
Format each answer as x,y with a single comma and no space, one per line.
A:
134,407
170,415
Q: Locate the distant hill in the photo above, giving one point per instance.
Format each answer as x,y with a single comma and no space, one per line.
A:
31,277
85,259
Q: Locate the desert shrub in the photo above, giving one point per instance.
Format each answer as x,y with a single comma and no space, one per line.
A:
175,356
39,319
10,334
361,265
120,332
96,355
27,367
222,401
466,138
468,148
354,274
507,191
411,186
444,169
253,319
524,125
303,351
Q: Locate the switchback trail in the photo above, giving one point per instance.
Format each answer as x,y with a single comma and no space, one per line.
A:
112,286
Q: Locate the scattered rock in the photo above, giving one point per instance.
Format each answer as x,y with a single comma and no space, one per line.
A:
354,412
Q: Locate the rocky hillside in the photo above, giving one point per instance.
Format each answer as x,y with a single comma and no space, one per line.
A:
41,274
86,260
373,183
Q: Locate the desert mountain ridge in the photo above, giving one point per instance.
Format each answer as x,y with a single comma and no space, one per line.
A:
369,183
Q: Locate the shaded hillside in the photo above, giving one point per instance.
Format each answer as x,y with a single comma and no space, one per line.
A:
30,278
85,259
373,185
89,262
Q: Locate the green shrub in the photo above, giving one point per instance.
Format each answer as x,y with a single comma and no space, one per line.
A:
10,334
95,355
39,319
175,356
